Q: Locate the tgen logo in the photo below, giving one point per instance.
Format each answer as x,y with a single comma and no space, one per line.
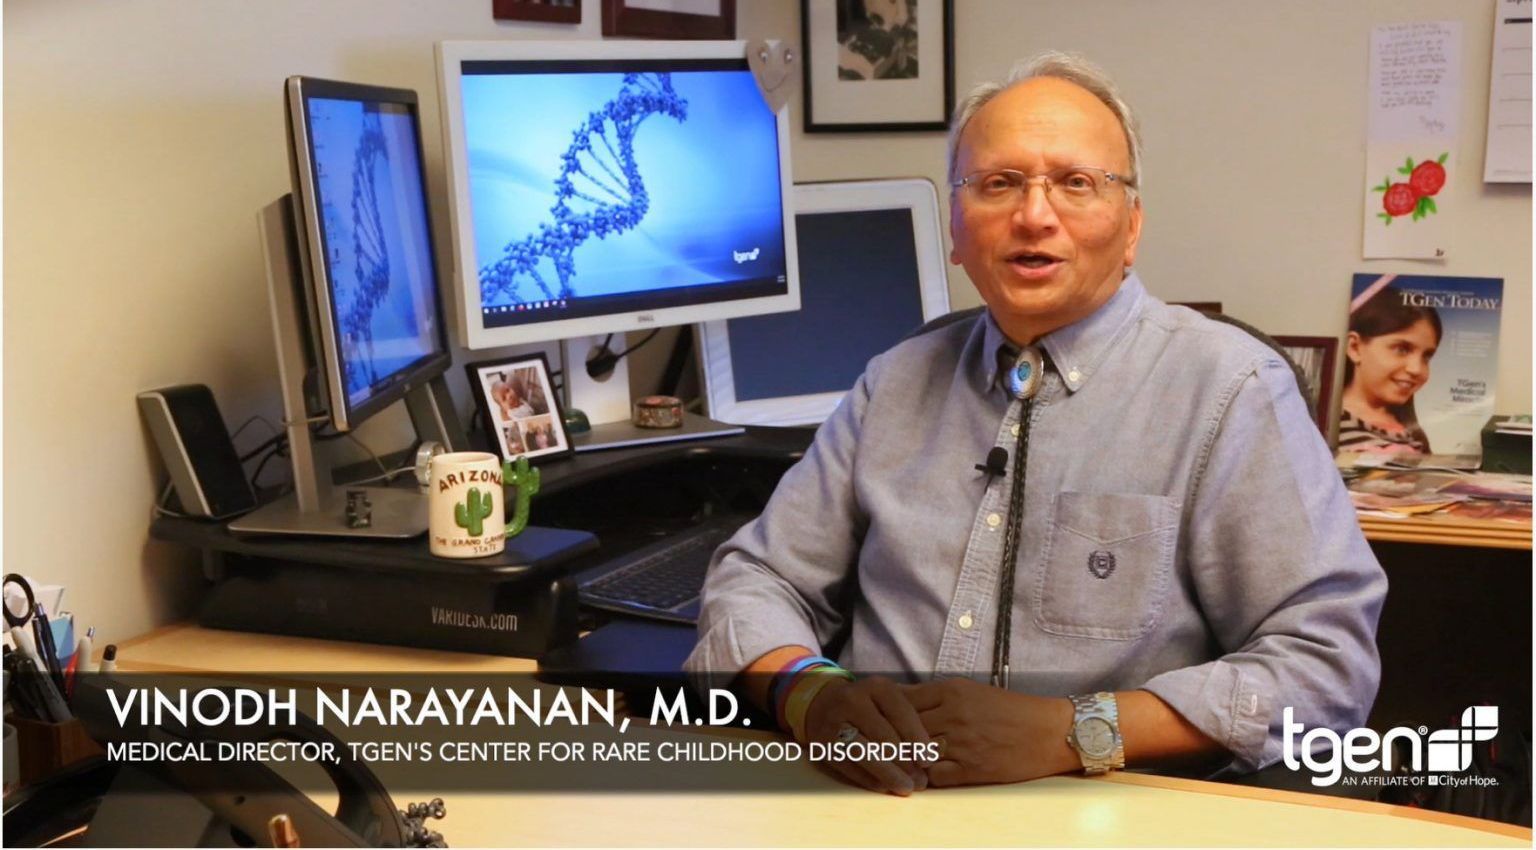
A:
1448,750
746,256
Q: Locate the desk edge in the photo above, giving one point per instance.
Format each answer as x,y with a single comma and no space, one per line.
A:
1320,801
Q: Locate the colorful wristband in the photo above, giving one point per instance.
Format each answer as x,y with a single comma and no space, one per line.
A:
780,679
778,688
799,702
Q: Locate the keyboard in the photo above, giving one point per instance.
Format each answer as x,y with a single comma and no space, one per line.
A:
661,581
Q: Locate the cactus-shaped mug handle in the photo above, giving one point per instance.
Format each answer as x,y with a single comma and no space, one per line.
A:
526,480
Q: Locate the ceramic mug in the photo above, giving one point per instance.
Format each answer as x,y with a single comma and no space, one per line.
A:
467,509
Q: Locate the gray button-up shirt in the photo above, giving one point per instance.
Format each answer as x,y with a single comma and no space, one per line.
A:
1175,448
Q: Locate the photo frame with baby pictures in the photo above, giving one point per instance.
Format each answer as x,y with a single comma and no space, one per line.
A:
519,409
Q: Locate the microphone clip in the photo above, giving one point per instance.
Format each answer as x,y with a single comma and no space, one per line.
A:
996,463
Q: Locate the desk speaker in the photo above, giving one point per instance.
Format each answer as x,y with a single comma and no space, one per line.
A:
198,452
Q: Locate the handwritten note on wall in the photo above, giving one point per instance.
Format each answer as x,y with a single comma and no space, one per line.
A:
1414,105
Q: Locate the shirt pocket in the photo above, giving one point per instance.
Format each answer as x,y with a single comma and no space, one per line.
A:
1104,572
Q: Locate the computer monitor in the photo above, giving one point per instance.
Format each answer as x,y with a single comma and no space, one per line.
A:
871,258
356,306
604,187
360,204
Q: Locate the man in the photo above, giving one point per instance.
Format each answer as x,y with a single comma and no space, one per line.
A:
1188,562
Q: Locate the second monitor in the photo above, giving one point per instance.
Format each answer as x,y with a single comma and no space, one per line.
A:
871,262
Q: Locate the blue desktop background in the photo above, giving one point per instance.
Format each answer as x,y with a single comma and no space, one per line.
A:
375,229
712,180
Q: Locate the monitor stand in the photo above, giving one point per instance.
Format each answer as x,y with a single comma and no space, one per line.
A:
605,401
317,506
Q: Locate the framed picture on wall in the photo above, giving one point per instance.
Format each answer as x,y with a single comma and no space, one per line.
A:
706,19
1316,356
878,65
519,408
1206,307
548,11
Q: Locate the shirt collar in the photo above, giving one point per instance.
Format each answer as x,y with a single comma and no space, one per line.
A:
1078,349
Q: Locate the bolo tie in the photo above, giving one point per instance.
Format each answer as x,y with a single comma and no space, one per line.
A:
1024,380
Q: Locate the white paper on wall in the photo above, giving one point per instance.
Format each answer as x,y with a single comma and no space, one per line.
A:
1414,104
1508,156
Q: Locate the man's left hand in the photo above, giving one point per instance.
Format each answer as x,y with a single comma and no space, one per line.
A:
993,735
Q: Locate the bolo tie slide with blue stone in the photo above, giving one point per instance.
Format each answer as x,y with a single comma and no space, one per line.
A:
1025,375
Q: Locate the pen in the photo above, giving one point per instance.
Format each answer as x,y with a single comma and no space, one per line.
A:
69,675
109,658
46,647
50,705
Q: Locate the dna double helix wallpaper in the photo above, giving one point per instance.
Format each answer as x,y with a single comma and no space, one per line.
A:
375,229
589,184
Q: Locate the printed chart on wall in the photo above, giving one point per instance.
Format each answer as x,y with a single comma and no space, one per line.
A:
1410,154
1508,157
1422,359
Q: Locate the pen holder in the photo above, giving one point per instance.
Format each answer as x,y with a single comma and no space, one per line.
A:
12,766
45,747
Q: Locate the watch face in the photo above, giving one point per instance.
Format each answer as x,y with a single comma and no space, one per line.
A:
1095,737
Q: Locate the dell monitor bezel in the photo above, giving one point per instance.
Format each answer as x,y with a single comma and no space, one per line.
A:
916,195
468,316
324,324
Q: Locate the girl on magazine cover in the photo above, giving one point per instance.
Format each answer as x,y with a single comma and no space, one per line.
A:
1387,355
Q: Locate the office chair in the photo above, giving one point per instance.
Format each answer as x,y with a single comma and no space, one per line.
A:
1301,378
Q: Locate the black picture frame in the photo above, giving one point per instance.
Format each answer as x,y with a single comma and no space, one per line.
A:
621,19
920,109
1317,357
512,433
545,11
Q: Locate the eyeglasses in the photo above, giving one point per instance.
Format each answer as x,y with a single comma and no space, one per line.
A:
1073,187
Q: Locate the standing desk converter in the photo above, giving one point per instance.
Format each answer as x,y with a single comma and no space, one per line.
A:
590,508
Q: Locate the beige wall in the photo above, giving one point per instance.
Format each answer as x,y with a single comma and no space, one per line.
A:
141,136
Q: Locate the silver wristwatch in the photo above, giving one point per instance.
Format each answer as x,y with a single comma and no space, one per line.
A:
1096,733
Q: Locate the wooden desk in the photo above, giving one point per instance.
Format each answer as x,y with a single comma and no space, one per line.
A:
1123,809
186,648
1447,531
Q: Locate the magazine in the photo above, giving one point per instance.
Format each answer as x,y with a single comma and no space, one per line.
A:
1503,488
1421,363
1516,512
1403,505
1398,493
1445,463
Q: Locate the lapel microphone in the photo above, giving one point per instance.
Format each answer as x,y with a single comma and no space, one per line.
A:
996,463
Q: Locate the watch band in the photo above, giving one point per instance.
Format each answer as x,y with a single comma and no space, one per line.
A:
1098,710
